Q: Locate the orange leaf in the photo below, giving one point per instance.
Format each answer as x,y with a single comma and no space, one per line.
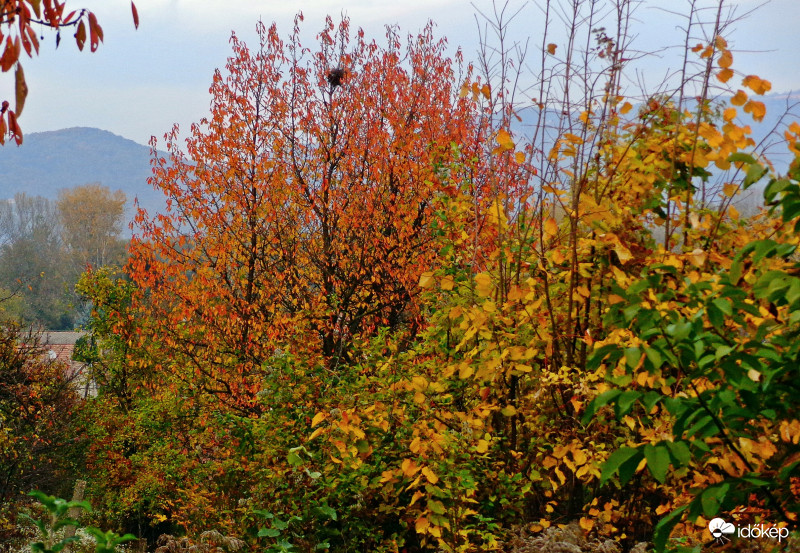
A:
725,75
551,48
725,59
20,89
729,114
756,84
550,227
739,98
504,140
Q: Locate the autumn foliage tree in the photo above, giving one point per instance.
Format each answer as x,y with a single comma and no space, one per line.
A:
38,408
299,216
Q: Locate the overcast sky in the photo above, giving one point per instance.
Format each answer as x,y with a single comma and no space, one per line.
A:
142,81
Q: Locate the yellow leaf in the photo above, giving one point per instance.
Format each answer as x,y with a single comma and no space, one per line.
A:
483,284
318,418
426,279
464,90
316,432
729,114
519,157
447,282
730,189
626,107
757,109
409,467
161,518
421,525
623,253
586,523
697,257
754,375
417,494
733,213
550,227
557,257
504,140
509,410
739,98
486,91
756,84
482,447
430,475
465,372
551,48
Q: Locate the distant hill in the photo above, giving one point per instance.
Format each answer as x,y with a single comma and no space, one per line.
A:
49,161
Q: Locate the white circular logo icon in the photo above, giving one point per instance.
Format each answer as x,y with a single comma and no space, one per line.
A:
718,527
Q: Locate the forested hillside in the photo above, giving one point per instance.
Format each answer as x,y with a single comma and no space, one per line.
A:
46,162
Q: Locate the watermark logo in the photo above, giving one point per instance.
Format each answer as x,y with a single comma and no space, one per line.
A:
720,530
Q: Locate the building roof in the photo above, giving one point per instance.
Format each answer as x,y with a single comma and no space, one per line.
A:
61,338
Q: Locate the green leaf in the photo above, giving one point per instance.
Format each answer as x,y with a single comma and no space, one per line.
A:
680,453
625,401
597,403
616,460
325,511
774,187
269,533
754,174
664,528
657,461
632,357
741,157
715,316
294,459
723,305
653,356
711,499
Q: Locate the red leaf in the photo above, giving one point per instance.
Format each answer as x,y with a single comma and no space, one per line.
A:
135,15
13,128
80,35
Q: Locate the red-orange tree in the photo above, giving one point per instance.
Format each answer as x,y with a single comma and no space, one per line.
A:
300,218
301,207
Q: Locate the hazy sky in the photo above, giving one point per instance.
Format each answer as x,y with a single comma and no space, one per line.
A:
142,81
